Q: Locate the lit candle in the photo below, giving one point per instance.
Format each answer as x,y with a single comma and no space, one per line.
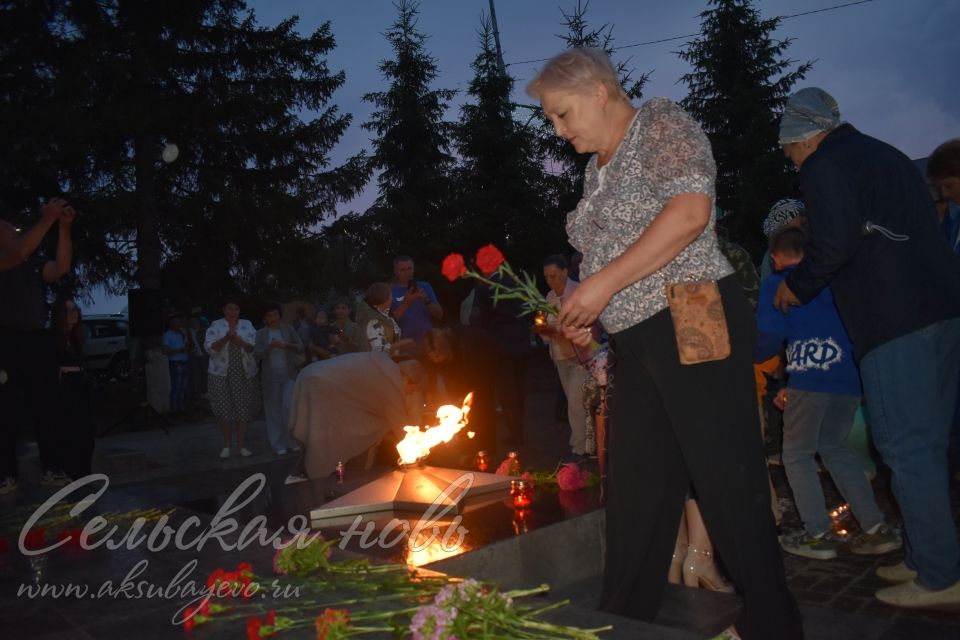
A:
482,462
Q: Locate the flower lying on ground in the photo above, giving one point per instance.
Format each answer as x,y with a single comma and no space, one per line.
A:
232,584
302,555
332,624
570,477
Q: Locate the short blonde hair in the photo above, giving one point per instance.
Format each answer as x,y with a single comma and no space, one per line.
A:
577,69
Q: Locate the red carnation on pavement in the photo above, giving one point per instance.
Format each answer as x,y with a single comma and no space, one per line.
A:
489,259
453,267
253,628
188,619
331,623
35,539
72,537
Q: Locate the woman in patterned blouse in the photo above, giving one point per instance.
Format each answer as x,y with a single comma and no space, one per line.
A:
645,222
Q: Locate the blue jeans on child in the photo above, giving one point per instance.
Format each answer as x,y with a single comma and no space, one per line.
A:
815,422
910,386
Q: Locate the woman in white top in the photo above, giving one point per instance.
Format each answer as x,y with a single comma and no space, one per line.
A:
232,383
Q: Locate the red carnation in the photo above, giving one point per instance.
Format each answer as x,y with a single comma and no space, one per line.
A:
489,259
188,619
253,628
35,538
72,537
453,267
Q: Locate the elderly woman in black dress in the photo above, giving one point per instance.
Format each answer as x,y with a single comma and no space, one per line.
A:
645,222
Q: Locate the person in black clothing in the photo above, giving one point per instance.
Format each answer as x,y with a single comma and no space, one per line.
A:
26,350
468,360
74,417
511,332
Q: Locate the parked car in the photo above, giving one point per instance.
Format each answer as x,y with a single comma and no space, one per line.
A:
106,351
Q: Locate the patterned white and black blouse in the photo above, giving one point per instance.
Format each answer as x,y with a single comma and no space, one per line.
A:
665,153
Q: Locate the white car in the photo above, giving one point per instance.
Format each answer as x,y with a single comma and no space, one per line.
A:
106,349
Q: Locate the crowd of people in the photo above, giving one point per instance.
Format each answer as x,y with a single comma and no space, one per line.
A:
859,300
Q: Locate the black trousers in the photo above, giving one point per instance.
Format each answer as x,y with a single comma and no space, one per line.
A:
674,426
76,428
30,392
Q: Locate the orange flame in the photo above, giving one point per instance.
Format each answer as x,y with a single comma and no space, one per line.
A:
418,442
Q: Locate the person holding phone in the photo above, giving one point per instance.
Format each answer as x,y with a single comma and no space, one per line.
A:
413,304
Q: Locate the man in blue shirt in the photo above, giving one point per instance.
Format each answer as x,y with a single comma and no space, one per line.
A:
413,304
178,355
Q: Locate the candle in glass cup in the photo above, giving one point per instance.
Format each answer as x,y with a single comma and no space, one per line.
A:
482,462
522,493
513,466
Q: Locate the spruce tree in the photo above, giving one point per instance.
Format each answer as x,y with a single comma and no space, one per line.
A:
501,188
738,85
249,110
580,34
411,148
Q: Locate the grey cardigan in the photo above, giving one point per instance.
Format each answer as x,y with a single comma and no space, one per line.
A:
260,351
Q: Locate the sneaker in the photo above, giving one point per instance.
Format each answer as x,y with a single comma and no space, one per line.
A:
54,479
884,540
910,595
281,452
295,448
225,453
246,453
294,478
896,573
9,485
803,544
730,633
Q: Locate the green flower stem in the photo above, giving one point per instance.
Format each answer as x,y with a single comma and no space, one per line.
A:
536,612
526,290
569,632
523,593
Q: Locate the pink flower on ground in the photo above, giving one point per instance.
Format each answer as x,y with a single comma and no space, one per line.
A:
571,477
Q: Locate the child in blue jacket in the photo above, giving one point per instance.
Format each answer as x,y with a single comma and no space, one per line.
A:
819,403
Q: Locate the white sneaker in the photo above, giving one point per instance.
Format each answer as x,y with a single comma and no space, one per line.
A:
246,453
295,448
51,479
294,478
281,452
9,485
225,453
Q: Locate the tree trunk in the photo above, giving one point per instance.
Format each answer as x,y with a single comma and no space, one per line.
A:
148,231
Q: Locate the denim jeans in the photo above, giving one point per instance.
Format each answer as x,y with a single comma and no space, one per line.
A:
820,422
179,379
911,387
